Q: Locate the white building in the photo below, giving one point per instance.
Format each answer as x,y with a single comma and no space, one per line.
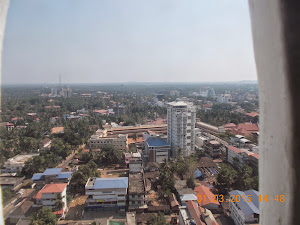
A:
174,93
224,98
236,156
109,193
119,142
244,212
181,120
16,164
50,193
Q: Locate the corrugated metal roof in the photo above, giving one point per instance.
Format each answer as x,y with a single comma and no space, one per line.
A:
52,171
247,208
116,182
156,142
64,175
188,197
37,176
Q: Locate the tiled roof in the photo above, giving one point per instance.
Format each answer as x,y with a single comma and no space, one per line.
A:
232,148
156,142
248,208
23,208
115,182
210,198
195,212
248,127
229,125
51,188
255,155
252,114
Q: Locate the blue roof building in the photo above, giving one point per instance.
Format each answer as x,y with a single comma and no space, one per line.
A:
51,175
107,193
156,150
244,207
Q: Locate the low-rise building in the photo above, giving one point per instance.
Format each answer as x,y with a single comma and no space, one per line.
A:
157,150
136,192
45,144
212,148
51,175
119,142
206,198
9,181
253,162
184,193
50,194
16,163
106,193
236,156
244,212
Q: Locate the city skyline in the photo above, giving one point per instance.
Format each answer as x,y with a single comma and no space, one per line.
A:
132,41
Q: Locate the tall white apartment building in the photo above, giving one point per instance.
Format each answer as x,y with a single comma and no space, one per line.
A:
181,127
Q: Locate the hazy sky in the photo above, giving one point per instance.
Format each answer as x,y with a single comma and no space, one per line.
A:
97,41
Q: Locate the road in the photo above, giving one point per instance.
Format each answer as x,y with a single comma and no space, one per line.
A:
66,162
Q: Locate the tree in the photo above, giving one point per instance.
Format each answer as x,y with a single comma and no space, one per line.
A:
225,179
166,178
244,178
157,220
59,204
81,176
44,217
190,183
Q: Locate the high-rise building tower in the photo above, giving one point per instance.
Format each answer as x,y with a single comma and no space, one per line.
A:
181,127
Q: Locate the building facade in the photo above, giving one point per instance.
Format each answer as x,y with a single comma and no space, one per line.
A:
136,192
181,118
120,142
244,212
212,148
16,164
157,150
49,195
107,193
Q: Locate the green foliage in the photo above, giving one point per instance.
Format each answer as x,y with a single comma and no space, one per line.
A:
221,114
59,204
7,194
81,176
60,147
240,179
157,220
166,178
226,178
44,217
190,183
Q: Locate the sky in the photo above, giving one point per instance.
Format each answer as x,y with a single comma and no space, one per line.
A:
105,41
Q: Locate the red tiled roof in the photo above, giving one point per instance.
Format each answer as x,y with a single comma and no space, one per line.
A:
229,125
209,196
101,111
255,155
232,148
248,127
195,212
252,114
16,118
51,188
